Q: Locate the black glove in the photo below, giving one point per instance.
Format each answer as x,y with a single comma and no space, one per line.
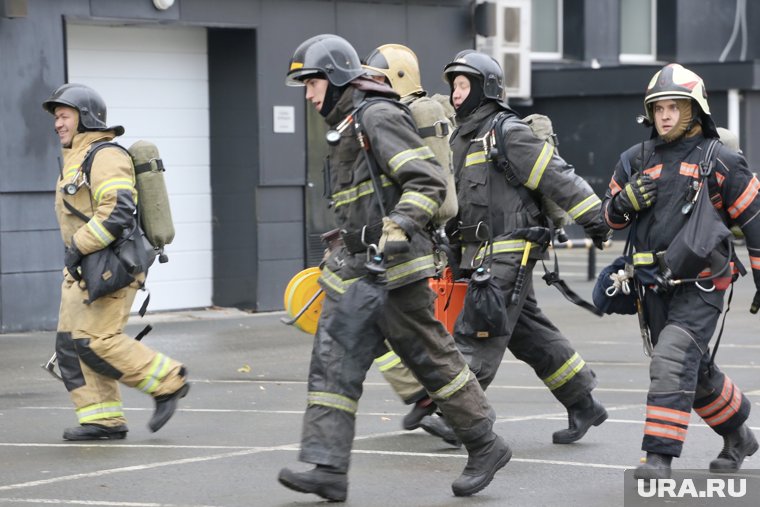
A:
599,233
72,259
538,235
755,303
636,195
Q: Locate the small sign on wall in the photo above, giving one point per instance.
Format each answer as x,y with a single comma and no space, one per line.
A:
284,119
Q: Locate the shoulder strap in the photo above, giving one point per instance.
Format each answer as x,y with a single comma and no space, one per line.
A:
708,157
500,163
86,165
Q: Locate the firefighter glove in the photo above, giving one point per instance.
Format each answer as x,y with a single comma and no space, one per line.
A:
72,259
599,233
636,195
393,240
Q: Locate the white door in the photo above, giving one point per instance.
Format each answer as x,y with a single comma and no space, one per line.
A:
155,83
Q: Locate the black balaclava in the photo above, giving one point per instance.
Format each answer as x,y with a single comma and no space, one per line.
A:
474,98
332,95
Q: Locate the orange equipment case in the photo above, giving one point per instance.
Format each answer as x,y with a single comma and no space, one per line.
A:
450,298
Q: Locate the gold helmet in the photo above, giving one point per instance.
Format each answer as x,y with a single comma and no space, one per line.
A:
399,65
675,82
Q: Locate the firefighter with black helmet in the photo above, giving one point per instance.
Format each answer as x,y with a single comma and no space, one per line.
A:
412,188
94,210
494,206
652,190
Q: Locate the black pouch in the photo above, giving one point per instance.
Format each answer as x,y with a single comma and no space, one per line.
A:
691,249
354,323
484,313
114,267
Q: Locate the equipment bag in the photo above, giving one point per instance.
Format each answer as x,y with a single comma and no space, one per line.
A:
615,287
435,129
152,197
705,232
484,312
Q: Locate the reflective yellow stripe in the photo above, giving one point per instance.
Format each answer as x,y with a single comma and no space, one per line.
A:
643,259
97,229
332,400
632,197
71,171
158,370
474,158
351,194
420,201
408,268
99,411
585,205
387,361
113,185
452,387
539,166
510,245
335,282
405,156
565,372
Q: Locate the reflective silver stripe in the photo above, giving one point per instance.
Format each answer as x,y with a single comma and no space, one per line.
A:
332,400
667,414
565,372
420,201
405,156
475,158
584,206
352,194
335,282
452,387
100,232
509,245
409,267
158,370
99,411
664,431
643,259
540,166
387,361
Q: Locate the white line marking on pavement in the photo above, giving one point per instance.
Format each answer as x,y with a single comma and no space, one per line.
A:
56,501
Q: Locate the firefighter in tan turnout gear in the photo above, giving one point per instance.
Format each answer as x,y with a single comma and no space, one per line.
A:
397,173
502,169
93,352
397,66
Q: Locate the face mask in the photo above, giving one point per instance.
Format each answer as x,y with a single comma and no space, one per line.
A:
474,98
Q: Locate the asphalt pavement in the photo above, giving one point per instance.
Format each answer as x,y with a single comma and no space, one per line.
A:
241,420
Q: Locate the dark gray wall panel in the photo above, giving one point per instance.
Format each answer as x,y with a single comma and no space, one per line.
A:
697,42
221,12
30,251
366,26
280,205
133,10
281,240
272,284
28,211
751,130
284,162
23,308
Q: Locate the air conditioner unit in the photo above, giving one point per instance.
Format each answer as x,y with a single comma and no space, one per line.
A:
510,42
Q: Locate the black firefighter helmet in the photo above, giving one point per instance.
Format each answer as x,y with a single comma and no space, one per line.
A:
327,56
89,104
482,66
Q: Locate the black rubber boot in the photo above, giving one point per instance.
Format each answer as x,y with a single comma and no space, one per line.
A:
736,446
421,409
486,456
580,417
438,427
321,480
657,466
95,432
165,407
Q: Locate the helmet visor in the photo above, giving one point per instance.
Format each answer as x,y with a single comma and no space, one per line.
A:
297,75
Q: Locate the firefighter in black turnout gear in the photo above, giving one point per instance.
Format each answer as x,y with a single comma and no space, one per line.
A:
412,188
651,188
492,207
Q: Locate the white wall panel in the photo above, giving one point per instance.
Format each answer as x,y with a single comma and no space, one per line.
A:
155,82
